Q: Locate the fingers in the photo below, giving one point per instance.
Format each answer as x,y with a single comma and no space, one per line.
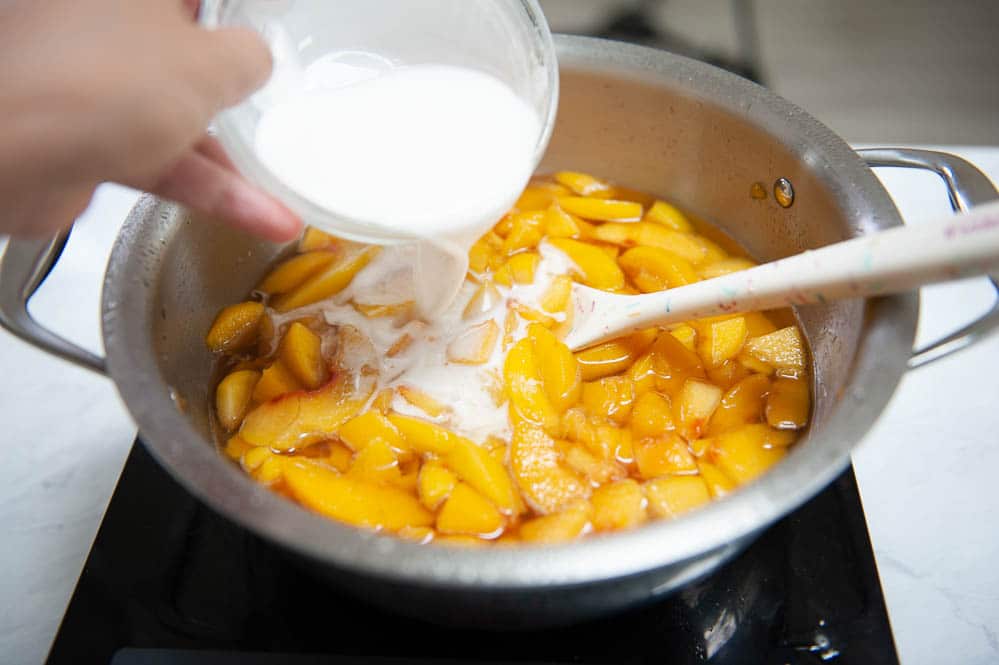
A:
202,184
230,64
210,147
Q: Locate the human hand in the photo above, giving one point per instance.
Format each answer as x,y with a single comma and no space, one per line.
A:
120,90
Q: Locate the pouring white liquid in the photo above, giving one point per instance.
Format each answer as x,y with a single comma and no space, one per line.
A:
430,152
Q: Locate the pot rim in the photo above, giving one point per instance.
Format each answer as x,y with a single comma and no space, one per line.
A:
889,329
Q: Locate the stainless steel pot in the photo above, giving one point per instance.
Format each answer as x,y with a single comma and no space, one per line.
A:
656,121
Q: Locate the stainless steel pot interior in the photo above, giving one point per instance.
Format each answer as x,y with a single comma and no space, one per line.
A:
652,120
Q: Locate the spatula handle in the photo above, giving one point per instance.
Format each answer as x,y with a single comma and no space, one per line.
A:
896,260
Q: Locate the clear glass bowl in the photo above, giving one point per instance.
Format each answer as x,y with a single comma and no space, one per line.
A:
508,39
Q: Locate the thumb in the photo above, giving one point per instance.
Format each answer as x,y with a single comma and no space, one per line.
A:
232,63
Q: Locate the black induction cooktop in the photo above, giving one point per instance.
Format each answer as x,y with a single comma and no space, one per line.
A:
170,582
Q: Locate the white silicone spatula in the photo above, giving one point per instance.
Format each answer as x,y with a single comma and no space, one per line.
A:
896,260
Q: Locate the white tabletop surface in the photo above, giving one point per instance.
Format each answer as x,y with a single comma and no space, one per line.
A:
927,470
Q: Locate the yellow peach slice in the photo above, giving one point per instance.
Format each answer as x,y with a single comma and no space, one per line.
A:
671,497
619,505
435,484
300,350
741,405
291,273
327,282
474,465
275,380
669,216
694,406
558,527
607,210
611,397
524,387
784,349
788,404
650,234
664,455
423,401
720,340
742,455
655,269
475,345
235,328
544,483
376,463
352,501
371,426
466,512
557,367
423,436
233,396
596,268
651,416
300,418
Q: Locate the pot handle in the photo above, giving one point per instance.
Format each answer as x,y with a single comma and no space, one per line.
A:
967,187
24,265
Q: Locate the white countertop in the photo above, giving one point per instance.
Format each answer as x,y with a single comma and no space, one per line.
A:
927,471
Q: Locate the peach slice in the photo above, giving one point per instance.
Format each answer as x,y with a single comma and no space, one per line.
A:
596,269
300,418
788,403
423,436
525,232
291,273
724,267
720,340
376,463
656,269
484,300
370,427
669,216
694,407
557,367
435,484
583,184
619,505
524,387
539,195
611,397
742,404
743,454
651,415
671,497
666,454
544,483
783,349
614,356
235,328
474,465
560,224
605,210
475,345
327,282
466,512
651,234
519,268
233,396
718,483
275,380
598,471
300,350
353,501
423,401
558,527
